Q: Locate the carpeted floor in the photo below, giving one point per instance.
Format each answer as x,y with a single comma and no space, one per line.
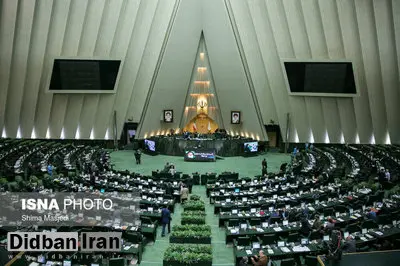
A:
246,167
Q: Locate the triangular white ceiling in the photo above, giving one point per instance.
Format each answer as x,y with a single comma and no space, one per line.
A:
226,61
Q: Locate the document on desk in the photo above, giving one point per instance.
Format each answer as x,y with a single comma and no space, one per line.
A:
277,229
240,215
285,249
378,233
340,220
300,249
311,208
249,252
270,251
363,238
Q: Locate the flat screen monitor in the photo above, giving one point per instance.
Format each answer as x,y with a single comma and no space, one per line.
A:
237,190
66,263
256,245
304,241
320,78
250,146
281,243
116,262
150,145
84,76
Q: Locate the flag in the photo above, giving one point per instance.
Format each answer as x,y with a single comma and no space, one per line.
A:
194,126
209,126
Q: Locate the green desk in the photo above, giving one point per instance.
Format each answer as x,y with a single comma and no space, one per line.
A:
261,231
277,252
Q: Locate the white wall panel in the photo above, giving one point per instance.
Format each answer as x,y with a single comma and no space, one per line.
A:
33,33
352,48
119,48
53,49
276,45
248,36
22,37
103,48
335,124
301,50
61,102
73,37
389,66
318,50
96,16
141,50
370,55
8,19
40,30
173,80
228,71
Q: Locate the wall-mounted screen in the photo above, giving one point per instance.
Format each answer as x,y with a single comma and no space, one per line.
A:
308,78
84,76
150,145
250,146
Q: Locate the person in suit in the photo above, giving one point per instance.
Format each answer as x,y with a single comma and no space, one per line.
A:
317,223
284,214
305,228
184,194
165,220
349,245
264,166
260,260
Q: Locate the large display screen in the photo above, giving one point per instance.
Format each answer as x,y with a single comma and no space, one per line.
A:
250,146
320,77
150,145
200,155
84,75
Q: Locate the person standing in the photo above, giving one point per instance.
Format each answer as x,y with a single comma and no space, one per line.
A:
184,194
138,155
260,260
264,166
165,220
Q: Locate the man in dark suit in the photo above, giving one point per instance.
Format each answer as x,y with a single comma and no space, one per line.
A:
165,220
349,245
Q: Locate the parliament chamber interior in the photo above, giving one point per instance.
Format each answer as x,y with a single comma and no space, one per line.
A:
199,132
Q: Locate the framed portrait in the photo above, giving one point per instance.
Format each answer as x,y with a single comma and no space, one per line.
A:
168,116
235,117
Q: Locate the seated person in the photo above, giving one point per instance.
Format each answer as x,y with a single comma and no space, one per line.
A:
244,261
372,214
260,260
305,228
274,214
317,223
329,225
284,214
349,245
